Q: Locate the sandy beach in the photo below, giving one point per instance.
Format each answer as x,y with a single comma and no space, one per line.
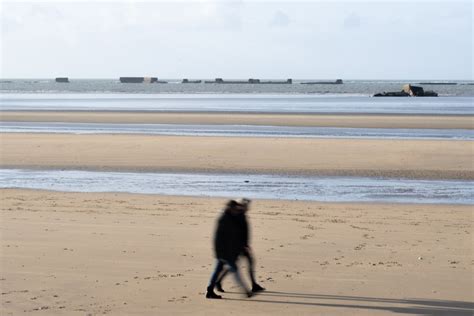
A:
432,159
122,254
321,120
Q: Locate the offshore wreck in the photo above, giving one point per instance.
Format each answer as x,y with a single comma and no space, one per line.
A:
408,91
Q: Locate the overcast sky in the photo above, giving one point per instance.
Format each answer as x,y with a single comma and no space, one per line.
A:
238,39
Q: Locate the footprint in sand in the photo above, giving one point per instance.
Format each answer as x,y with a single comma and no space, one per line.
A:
304,237
360,247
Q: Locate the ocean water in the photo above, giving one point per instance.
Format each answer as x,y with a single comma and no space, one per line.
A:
241,102
234,130
327,189
351,87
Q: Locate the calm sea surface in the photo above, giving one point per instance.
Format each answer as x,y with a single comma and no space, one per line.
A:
351,87
351,97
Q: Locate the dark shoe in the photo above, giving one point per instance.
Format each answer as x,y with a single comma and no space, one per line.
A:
257,288
249,294
219,287
211,294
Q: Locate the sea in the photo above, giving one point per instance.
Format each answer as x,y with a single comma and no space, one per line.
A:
174,86
353,97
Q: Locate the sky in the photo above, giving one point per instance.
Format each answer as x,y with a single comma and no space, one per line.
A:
238,39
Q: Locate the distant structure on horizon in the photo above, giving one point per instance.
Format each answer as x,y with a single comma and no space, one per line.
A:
250,81
338,81
62,79
191,81
440,83
138,80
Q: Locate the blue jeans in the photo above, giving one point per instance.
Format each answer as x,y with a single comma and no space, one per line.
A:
251,263
232,268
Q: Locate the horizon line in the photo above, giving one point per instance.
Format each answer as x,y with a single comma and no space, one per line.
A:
232,78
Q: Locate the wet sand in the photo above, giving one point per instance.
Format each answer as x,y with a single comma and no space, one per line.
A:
430,159
122,254
321,120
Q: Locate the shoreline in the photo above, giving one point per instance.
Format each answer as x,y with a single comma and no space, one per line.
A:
330,258
242,118
221,199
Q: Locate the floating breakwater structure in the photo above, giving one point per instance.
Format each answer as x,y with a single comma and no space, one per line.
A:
62,79
191,81
338,81
440,83
222,81
140,80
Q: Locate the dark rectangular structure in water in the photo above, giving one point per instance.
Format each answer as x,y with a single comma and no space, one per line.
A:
338,81
191,81
250,81
138,79
440,83
62,79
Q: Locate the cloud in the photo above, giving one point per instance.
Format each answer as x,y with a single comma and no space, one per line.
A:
352,21
182,38
280,19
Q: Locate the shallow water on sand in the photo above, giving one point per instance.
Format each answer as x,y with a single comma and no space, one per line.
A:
327,189
246,103
233,130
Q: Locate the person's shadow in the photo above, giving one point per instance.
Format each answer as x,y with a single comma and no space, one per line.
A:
404,306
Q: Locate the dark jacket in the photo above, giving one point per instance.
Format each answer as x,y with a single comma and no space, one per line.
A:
226,238
231,236
243,231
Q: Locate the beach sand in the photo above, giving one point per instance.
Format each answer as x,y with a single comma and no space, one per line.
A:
321,120
430,159
124,254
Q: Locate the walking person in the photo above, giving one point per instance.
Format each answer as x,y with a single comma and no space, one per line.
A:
226,247
243,247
